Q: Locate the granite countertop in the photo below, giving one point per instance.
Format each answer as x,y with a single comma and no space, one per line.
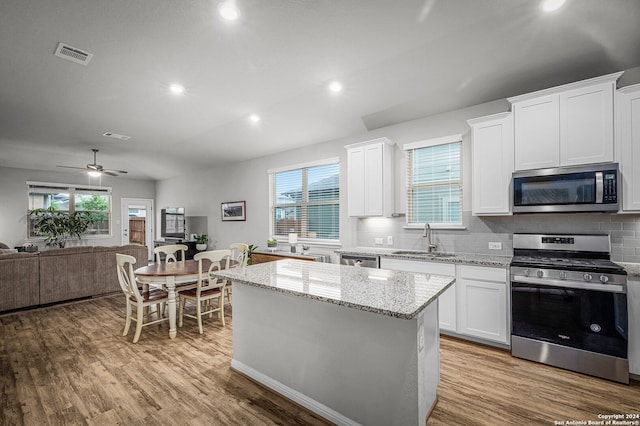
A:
288,253
393,293
465,258
633,270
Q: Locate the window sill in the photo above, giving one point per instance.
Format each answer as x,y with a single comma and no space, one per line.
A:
453,226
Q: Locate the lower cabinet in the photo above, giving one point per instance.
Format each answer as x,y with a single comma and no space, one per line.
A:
447,302
633,308
477,305
482,302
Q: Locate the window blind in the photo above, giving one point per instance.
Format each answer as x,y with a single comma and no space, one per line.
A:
306,201
434,183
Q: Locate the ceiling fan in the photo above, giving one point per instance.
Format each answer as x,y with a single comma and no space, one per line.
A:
96,169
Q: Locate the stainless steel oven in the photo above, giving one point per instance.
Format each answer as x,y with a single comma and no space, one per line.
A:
591,188
569,304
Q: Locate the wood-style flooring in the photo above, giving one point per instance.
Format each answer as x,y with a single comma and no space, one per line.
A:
69,364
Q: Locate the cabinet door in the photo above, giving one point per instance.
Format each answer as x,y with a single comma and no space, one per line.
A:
482,303
373,178
537,133
356,181
633,308
628,146
492,148
447,300
586,125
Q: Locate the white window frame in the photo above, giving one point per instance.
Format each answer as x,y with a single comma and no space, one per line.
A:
307,241
72,189
455,138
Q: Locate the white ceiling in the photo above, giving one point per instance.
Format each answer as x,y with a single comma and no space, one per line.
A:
398,60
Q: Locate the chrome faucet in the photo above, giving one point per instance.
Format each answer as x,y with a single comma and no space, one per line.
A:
427,234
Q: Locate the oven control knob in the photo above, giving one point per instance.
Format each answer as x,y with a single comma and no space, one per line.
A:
563,275
587,277
604,279
540,273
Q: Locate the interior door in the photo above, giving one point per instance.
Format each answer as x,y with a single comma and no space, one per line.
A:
137,222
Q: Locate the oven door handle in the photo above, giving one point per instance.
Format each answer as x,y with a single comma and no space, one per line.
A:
611,288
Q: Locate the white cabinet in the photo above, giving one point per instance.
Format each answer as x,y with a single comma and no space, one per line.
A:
565,125
370,178
492,164
633,308
447,300
483,303
628,145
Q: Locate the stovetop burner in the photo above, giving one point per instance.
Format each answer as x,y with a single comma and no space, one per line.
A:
566,263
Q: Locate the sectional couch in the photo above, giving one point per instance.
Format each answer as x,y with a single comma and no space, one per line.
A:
32,279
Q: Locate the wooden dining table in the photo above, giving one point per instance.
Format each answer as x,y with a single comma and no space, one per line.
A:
170,274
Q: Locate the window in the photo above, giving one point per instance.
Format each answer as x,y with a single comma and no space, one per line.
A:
434,181
72,198
305,200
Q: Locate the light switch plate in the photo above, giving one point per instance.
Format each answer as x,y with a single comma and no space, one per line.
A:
390,240
495,246
379,241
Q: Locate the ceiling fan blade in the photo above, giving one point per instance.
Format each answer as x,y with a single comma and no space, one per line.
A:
94,166
109,172
71,167
115,171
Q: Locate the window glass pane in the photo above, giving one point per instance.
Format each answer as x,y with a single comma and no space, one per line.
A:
435,184
324,183
44,200
324,222
289,187
287,220
101,226
86,202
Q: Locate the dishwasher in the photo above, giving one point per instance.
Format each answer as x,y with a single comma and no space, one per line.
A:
365,261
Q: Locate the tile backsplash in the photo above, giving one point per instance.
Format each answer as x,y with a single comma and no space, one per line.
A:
624,231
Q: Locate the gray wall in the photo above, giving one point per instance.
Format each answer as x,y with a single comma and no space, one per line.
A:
14,203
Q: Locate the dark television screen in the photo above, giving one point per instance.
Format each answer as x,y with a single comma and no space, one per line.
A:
172,222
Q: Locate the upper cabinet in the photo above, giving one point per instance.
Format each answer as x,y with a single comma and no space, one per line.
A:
492,163
370,178
566,125
628,145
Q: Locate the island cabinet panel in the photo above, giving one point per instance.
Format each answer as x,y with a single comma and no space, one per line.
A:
483,303
633,308
446,301
628,145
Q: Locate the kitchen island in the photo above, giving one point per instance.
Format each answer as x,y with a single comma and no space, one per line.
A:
354,345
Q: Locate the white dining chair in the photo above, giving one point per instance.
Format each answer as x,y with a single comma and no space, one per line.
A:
208,288
141,300
170,252
239,253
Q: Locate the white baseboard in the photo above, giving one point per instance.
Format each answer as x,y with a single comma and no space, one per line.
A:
293,395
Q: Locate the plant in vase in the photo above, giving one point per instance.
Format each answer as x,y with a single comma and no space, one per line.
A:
58,226
272,244
250,252
201,242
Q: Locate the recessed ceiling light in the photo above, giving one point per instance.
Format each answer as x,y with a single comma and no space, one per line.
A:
335,86
176,89
229,11
551,5
254,118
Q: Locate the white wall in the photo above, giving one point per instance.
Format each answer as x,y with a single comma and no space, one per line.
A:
202,192
14,203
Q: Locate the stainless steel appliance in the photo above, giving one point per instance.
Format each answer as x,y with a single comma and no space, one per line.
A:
591,188
569,304
360,260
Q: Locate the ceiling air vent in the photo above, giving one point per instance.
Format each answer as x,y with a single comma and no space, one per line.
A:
116,136
72,54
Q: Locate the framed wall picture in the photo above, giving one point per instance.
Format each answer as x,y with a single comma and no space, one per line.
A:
233,211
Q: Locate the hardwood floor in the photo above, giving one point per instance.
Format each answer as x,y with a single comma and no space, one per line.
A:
69,364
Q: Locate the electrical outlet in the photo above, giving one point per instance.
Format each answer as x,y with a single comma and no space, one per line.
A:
495,246
390,240
379,241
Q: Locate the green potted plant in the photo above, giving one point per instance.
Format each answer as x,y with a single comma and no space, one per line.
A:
201,242
272,243
250,252
59,226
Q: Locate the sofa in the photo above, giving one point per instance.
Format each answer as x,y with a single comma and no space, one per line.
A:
55,275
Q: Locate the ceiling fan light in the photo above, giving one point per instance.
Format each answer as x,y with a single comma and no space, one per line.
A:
94,173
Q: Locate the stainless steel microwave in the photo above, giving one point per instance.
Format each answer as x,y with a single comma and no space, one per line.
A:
590,188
